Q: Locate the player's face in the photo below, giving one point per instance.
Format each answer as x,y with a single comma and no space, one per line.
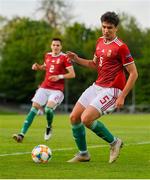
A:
108,31
56,47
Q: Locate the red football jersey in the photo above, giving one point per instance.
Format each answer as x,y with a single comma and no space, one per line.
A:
55,65
111,57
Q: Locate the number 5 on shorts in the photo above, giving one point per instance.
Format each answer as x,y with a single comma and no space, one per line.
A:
104,99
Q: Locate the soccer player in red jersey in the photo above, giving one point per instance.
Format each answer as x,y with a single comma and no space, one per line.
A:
50,93
107,93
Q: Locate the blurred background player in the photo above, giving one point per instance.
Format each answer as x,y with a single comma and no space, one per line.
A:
50,93
107,92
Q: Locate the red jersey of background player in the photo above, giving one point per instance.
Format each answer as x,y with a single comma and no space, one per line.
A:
111,57
55,65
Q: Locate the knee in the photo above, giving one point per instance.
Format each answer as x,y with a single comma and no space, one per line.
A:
36,106
74,119
85,119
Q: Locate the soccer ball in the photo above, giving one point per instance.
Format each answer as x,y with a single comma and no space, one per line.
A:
41,154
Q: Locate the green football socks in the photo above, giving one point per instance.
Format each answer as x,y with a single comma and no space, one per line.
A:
100,130
29,119
49,115
79,136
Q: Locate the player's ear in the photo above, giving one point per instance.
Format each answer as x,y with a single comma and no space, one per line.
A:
116,28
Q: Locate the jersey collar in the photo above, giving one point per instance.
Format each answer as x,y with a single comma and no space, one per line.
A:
110,41
56,55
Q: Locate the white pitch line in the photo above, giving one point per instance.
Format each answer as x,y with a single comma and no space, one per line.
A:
68,149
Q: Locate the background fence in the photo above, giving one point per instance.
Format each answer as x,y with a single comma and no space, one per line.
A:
11,108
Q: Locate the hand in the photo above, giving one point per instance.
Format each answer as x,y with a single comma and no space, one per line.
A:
120,102
54,78
72,55
35,66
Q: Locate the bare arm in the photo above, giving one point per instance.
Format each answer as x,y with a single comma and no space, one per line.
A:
81,61
37,66
70,74
133,75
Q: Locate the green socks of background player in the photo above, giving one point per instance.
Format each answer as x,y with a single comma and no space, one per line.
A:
28,120
100,130
97,127
49,115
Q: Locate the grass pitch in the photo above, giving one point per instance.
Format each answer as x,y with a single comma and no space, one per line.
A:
133,163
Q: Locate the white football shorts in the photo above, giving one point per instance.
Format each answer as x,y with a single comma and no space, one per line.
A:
42,96
103,99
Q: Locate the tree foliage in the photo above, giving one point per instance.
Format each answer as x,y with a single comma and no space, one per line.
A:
24,41
56,12
79,39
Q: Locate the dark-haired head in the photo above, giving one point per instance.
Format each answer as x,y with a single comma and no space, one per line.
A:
57,39
110,17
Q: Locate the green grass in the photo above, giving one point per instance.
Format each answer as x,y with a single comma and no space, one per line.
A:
133,163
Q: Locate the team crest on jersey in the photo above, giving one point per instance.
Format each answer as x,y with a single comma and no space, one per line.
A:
103,51
109,52
58,61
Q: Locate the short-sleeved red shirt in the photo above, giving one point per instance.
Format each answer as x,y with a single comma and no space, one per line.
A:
55,65
111,57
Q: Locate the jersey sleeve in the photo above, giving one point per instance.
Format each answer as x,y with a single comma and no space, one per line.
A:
125,55
67,61
97,42
45,57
